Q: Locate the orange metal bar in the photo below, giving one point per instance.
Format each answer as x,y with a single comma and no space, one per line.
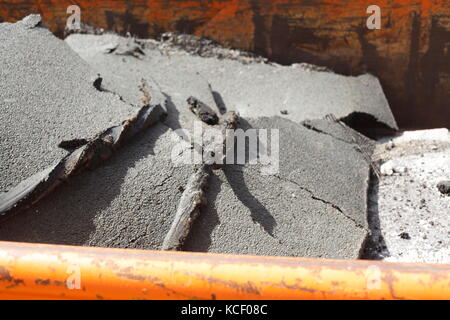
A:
32,271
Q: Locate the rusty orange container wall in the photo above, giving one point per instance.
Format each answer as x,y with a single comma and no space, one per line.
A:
32,271
409,54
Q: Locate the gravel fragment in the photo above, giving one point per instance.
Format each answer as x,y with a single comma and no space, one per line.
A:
444,187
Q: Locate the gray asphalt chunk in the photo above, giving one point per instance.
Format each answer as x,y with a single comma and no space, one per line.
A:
177,82
87,156
316,205
31,21
301,226
125,203
46,96
340,131
255,88
313,204
331,169
302,94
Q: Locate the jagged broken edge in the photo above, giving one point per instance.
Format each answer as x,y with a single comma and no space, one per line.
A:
99,149
360,141
193,197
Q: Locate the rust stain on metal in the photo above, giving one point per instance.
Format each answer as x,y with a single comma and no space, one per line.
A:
391,280
162,275
47,282
6,276
246,287
297,287
413,41
131,276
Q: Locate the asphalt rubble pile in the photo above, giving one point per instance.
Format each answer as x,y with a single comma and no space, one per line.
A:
119,107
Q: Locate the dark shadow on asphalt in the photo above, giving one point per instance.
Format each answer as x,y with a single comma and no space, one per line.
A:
259,213
68,215
375,247
236,179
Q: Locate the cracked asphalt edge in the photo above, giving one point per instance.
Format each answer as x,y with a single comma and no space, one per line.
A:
99,149
314,197
362,144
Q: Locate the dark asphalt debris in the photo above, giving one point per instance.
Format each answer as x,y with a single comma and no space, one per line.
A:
130,48
98,83
203,112
194,196
444,187
73,144
405,236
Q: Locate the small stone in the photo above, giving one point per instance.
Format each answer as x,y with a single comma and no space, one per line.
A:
32,21
400,170
387,169
284,112
434,148
204,112
423,204
390,145
444,187
405,236
97,82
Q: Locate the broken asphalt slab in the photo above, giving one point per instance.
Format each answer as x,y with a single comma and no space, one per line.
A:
177,83
87,156
315,206
46,96
130,202
126,203
254,88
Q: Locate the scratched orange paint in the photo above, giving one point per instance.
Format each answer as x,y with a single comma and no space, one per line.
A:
34,271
